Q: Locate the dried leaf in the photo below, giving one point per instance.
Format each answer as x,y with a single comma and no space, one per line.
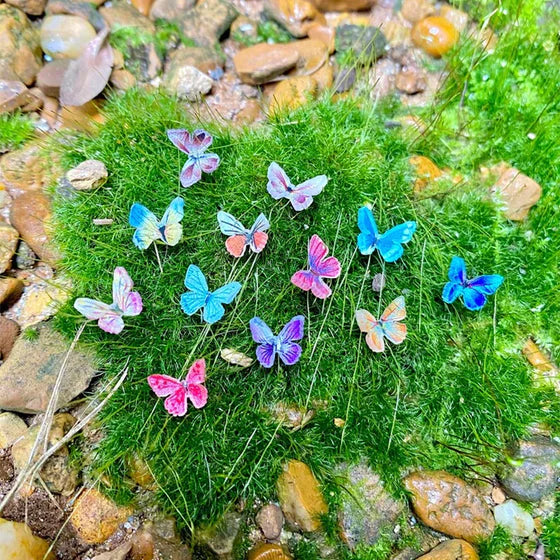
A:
236,358
88,75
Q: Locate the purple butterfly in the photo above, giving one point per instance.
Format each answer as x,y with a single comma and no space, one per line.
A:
283,344
195,145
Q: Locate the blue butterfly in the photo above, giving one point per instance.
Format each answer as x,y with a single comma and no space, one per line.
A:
389,244
472,292
200,297
168,230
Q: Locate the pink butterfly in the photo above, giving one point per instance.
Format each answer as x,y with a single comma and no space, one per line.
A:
301,196
320,266
126,303
179,392
195,145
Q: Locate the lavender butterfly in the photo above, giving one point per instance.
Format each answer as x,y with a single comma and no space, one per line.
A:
126,303
284,344
195,146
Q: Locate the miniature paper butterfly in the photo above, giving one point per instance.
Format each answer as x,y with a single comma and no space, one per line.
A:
284,344
472,292
199,297
195,145
387,327
126,303
240,237
168,230
320,266
179,392
301,196
389,244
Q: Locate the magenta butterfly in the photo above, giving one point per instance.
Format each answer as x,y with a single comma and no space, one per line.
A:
195,146
320,266
179,392
301,196
126,303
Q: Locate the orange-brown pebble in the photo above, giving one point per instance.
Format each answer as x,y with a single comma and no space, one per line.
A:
435,35
322,33
426,171
268,551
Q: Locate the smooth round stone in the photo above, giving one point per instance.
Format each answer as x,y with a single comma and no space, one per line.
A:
435,35
64,36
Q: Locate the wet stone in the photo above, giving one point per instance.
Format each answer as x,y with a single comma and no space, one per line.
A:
435,35
270,519
9,331
8,243
263,62
367,43
208,21
64,36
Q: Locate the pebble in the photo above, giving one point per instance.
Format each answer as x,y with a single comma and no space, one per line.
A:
30,7
13,95
426,172
28,215
208,21
251,113
206,59
323,33
188,82
345,79
24,169
313,55
9,331
378,282
143,6
88,175
367,43
64,36
292,93
518,193
498,496
297,16
448,504
95,517
343,5
56,473
28,375
143,61
12,427
534,471
140,473
324,77
9,238
545,371
435,35
158,539
119,553
456,17
416,10
84,118
411,80
514,518
85,10
121,14
300,496
268,551
368,511
122,79
17,542
10,290
222,536
50,76
20,54
452,550
263,62
170,10
270,519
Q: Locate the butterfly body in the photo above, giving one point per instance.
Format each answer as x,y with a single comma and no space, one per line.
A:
168,230
389,244
320,266
473,293
239,237
301,196
194,145
199,296
284,344
126,303
389,325
179,392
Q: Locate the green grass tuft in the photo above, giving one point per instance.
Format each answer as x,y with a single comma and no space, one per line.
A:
15,130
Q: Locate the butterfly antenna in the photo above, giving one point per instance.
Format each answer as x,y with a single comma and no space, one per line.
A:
158,259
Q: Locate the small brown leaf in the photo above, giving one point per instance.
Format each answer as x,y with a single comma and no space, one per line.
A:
87,76
236,358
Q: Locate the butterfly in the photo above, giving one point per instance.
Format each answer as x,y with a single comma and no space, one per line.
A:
388,326
195,145
284,344
320,266
240,237
199,297
472,292
168,230
301,196
179,392
389,244
126,303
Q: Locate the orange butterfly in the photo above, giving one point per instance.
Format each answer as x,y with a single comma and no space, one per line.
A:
240,237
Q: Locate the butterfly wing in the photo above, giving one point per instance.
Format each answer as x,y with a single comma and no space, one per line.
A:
108,319
195,298
279,185
319,263
146,224
163,385
320,289
301,196
181,138
129,302
191,172
390,243
457,275
487,284
237,242
371,326
196,391
258,237
214,309
264,337
303,279
176,403
200,141
369,234
209,162
473,299
395,311
288,350
170,223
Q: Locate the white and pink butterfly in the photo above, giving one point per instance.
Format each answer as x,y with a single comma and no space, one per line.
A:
126,303
320,266
178,392
301,196
195,146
